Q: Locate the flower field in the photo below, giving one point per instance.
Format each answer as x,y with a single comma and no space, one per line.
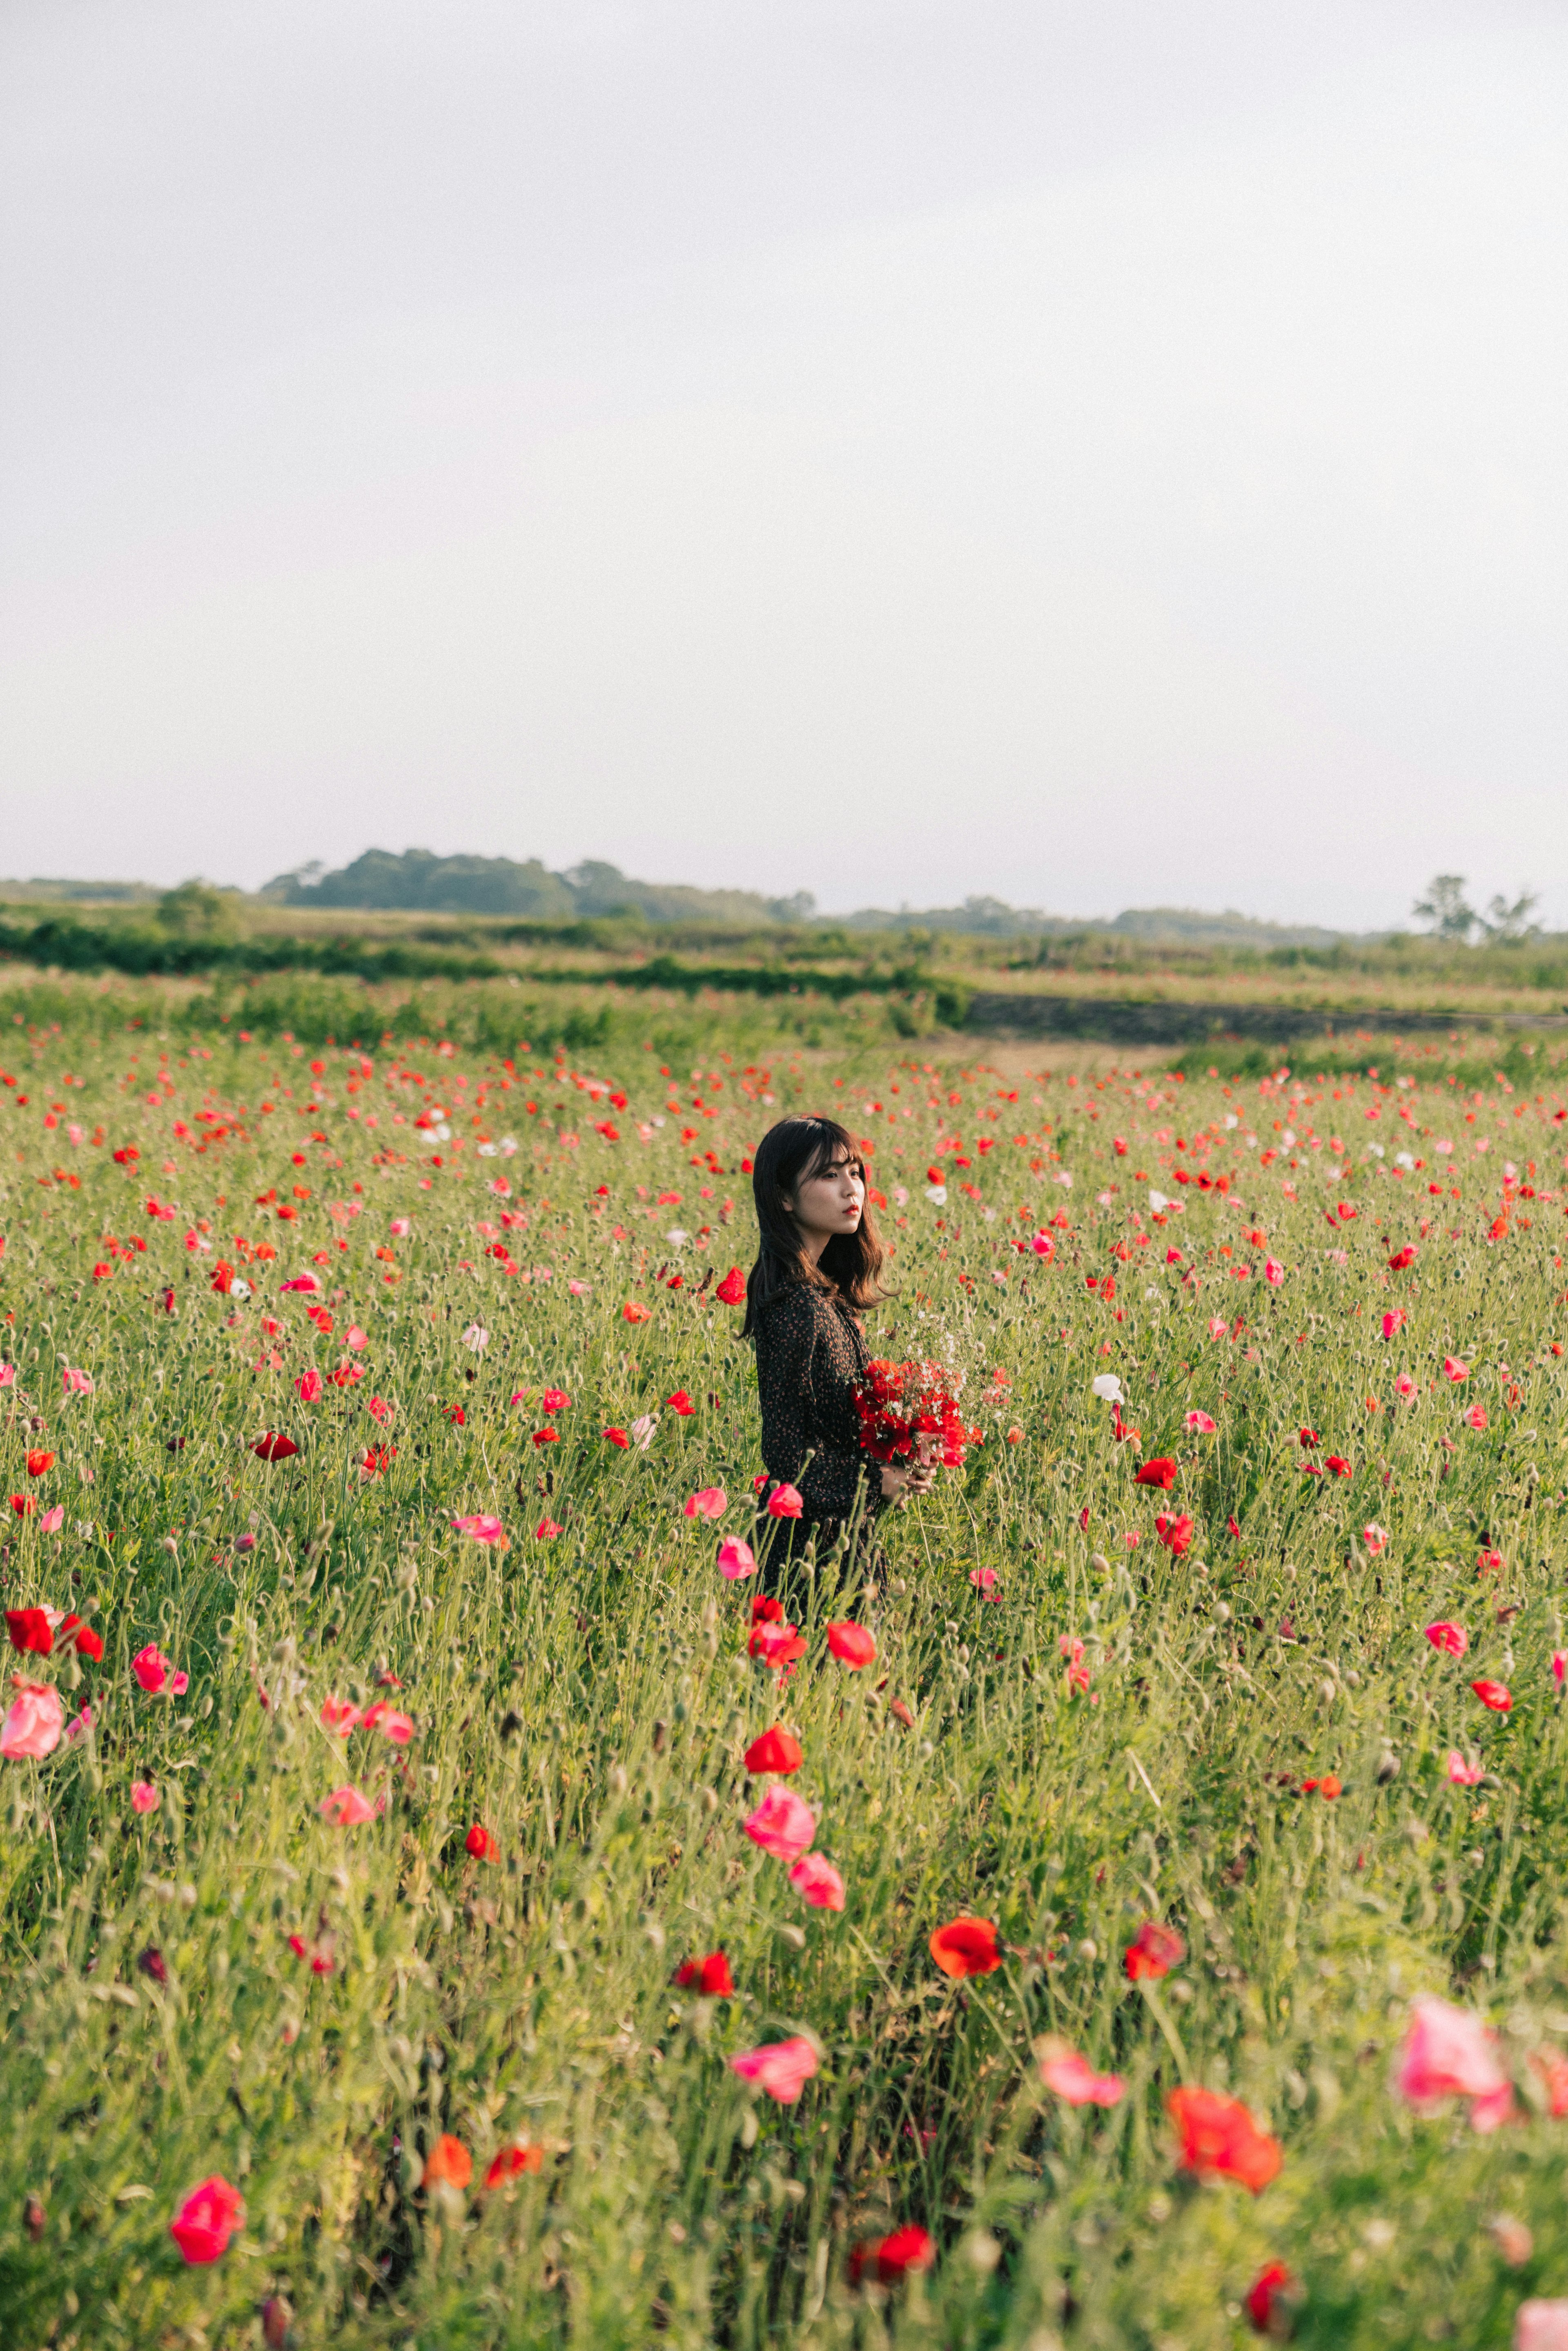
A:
447,1904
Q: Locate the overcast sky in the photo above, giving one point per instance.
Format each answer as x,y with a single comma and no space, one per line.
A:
1098,455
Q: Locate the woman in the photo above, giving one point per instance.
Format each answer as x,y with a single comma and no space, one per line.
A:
818,1262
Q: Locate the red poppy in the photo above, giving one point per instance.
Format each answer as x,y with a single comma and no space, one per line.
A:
966,1947
1153,1953
633,1312
1218,2135
1160,1473
481,1843
24,1505
765,1609
86,1643
774,1752
891,2258
275,1447
852,1644
448,2160
1308,1436
711,1977
1337,1464
1496,1695
682,1404
775,1644
618,1437
732,1289
40,1462
1175,1533
518,2157
1403,1257
547,1437
457,1416
1270,2286
30,1631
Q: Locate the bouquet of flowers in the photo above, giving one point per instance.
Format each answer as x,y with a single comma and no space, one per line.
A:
909,1412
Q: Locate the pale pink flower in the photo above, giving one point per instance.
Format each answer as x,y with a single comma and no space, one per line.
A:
7,1375
641,1430
1217,1327
401,1228
308,1387
52,1521
79,1726
33,1726
1339,1257
77,1383
1454,1368
1463,1774
1405,1386
708,1502
1448,2052
580,1288
477,1338
818,1882
398,1728
346,1808
1072,2077
144,1795
783,1824
735,1558
483,1528
782,2068
1201,1422
1375,1537
355,1338
1540,2326
1476,1417
983,1578
1273,1271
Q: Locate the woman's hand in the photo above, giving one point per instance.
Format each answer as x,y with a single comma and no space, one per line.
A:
897,1485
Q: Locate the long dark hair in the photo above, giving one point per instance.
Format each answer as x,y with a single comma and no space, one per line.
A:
790,1155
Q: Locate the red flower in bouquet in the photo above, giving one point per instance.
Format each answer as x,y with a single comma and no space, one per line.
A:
910,1412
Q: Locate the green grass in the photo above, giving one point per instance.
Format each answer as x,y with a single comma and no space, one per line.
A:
588,1697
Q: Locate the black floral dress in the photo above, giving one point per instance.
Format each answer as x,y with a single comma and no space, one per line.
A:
811,1356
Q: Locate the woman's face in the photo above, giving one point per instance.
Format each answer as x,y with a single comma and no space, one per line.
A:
832,1201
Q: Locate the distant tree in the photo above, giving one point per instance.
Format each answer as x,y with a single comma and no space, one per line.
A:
1444,909
198,911
1509,925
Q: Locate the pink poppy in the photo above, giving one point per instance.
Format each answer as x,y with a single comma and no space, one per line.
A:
1072,2077
33,1726
708,1502
207,2220
77,1383
783,1824
346,1808
1559,1666
51,1521
400,1227
1495,1695
735,1558
1463,1774
1540,2325
483,1528
546,1530
304,1282
355,1338
1395,1319
308,1387
1454,1368
79,1726
143,1796
1451,1637
1201,1422
784,1502
1448,2052
1217,1327
818,1882
984,1579
1375,1537
1405,1386
1273,1271
155,1672
1476,1417
782,2068
339,1714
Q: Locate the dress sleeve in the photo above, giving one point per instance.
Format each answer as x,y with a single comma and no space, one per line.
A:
784,1386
